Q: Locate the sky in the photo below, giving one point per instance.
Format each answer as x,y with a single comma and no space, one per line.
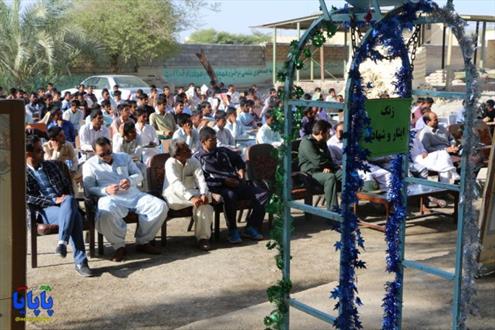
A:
237,16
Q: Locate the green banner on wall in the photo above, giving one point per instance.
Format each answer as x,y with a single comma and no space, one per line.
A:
390,120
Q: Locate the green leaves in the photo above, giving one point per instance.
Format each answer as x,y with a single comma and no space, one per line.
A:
211,36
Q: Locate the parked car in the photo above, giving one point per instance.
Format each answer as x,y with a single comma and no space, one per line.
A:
128,85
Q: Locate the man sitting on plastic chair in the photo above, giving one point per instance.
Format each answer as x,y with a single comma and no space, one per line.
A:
51,192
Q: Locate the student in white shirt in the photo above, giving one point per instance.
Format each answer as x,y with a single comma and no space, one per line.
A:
186,132
233,124
89,133
74,115
185,186
224,137
147,135
266,134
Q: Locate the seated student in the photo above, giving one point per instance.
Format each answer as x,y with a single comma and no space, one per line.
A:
89,133
65,125
332,95
124,113
147,135
207,113
57,149
315,160
438,161
488,114
224,172
128,141
307,122
423,109
224,137
133,109
185,186
186,132
74,115
51,192
435,137
108,113
164,122
246,117
233,124
114,178
198,121
266,134
376,174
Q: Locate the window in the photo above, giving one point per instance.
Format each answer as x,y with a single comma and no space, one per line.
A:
129,82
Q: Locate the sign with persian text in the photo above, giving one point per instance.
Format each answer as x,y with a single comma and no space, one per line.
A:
390,120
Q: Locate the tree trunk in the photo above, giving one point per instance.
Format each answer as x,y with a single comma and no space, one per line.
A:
114,63
206,64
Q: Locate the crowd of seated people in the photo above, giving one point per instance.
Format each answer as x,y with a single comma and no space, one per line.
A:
110,144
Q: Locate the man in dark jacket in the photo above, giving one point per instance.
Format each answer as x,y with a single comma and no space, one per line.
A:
50,193
315,160
224,172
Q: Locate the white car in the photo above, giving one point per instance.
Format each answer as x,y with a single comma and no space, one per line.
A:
128,85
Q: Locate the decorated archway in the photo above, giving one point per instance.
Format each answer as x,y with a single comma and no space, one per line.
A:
386,31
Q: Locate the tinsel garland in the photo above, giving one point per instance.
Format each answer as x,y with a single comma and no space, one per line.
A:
471,233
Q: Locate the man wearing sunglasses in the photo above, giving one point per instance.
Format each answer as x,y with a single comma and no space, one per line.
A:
114,177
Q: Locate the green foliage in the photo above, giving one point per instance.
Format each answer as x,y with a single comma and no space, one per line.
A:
130,31
38,43
211,36
279,292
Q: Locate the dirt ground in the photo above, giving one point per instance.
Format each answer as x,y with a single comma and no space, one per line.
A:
226,287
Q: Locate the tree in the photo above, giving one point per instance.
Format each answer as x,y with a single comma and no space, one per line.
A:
37,43
133,31
211,36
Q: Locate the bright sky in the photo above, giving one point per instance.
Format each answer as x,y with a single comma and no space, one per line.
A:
238,15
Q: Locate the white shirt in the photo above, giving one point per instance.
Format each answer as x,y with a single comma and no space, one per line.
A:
133,148
224,137
336,147
236,129
74,117
267,135
97,175
88,135
147,135
183,181
191,140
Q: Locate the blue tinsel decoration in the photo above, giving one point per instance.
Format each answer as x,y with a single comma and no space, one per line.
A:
387,33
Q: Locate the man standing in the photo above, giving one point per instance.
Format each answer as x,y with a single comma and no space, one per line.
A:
114,178
315,160
224,172
50,192
185,186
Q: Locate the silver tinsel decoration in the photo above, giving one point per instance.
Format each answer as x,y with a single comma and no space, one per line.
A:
471,241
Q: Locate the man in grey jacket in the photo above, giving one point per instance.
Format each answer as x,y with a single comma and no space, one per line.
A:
435,137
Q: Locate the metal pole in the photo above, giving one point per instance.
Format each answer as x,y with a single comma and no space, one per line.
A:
322,63
443,45
311,68
274,56
346,58
298,77
477,35
483,49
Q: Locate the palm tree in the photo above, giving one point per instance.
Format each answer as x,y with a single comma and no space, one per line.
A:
38,44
